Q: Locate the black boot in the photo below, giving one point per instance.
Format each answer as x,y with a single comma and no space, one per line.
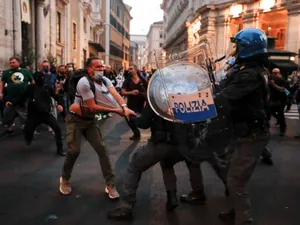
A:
120,213
194,197
172,200
226,190
227,216
267,161
60,151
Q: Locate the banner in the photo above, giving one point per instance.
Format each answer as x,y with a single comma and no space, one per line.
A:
25,11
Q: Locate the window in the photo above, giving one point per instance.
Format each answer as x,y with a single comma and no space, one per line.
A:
160,45
91,34
84,56
74,38
58,27
160,35
84,24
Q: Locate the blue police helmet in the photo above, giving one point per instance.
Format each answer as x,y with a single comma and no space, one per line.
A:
250,42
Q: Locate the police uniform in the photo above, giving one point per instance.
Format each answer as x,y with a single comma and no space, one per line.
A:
161,145
246,92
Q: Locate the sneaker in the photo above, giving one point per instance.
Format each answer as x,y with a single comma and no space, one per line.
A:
112,192
22,127
110,115
8,133
64,187
104,116
50,129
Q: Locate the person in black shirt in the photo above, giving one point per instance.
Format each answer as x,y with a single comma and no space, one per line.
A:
135,87
278,98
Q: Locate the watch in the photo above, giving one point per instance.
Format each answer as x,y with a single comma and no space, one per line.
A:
124,105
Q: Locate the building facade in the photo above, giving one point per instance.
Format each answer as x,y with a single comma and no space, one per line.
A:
133,53
155,38
187,22
142,56
117,39
59,31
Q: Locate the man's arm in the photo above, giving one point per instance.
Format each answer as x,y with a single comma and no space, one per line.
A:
2,84
278,88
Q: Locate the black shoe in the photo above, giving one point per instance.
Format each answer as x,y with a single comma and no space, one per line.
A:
120,214
27,142
61,152
227,216
135,137
194,197
172,200
267,161
8,133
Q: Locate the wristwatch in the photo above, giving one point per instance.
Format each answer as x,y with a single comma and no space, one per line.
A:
124,105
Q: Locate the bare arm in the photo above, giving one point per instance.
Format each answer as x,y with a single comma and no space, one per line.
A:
93,107
278,88
2,84
124,92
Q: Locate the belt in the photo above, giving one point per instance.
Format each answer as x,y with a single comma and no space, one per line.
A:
79,116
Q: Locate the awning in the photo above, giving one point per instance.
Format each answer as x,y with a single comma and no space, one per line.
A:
284,64
96,46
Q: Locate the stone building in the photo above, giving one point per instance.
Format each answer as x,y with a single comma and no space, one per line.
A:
187,22
155,39
60,31
141,41
117,41
133,53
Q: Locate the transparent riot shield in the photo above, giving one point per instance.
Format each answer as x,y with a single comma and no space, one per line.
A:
185,91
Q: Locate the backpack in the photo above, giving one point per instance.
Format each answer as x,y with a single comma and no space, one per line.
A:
74,79
41,100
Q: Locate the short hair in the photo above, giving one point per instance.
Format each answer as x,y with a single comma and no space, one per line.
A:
276,70
90,60
134,67
15,58
61,66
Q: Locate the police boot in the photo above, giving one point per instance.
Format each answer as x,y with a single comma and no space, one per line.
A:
120,213
227,216
226,192
172,200
194,197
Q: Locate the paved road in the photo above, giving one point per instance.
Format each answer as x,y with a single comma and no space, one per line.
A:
29,184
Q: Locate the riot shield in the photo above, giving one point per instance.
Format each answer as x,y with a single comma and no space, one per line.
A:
186,93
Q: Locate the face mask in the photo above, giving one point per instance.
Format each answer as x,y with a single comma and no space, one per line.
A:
46,69
98,75
70,69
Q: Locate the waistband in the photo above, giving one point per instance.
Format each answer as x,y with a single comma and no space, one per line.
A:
80,117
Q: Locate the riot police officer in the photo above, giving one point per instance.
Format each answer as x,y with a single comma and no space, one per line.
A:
162,145
246,92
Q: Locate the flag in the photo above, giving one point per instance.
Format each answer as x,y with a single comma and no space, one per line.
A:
25,11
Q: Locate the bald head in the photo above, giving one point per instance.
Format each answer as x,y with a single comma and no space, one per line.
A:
276,72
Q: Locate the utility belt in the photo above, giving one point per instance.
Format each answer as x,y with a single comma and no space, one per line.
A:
245,129
161,137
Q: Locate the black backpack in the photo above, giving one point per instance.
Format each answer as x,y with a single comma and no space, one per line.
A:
74,79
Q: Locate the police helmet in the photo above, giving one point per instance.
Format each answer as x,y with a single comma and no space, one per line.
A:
250,42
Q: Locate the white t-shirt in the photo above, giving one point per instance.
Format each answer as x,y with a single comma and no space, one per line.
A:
103,96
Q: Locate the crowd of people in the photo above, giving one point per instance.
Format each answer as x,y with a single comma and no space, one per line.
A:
81,97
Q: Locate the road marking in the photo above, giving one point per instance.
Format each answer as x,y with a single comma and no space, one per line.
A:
292,114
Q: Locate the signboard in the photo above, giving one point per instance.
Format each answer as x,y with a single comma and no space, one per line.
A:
194,107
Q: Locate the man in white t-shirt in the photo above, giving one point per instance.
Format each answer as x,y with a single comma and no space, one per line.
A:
106,99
